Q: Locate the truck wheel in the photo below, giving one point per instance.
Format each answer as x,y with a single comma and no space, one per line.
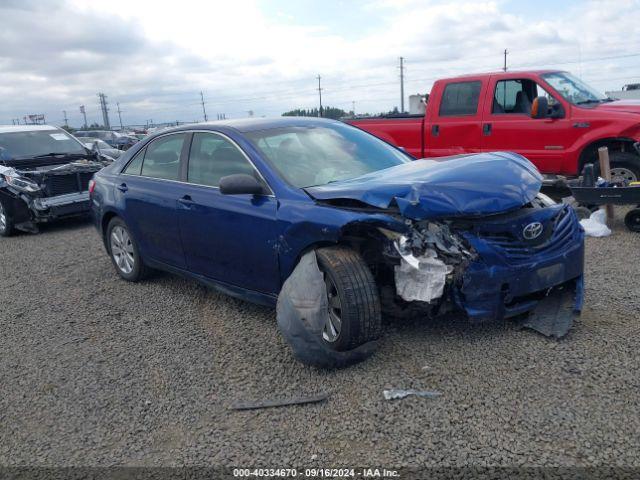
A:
624,166
632,220
6,222
124,252
354,303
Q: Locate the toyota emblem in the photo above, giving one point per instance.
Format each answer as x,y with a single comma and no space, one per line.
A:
532,231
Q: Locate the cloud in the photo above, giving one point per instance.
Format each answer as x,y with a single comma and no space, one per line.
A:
154,58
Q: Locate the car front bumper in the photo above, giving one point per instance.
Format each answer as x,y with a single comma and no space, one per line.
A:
50,208
495,289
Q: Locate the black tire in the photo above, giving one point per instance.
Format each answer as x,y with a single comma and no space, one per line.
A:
361,318
139,270
6,221
622,161
632,220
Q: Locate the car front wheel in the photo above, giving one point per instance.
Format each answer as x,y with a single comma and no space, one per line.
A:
124,251
354,316
6,223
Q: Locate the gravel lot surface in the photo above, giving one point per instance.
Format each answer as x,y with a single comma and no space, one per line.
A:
97,371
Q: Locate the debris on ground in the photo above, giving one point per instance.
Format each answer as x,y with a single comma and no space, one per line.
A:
554,315
302,312
279,403
596,224
398,393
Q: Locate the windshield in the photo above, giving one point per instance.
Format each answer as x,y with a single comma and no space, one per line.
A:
573,89
16,145
317,155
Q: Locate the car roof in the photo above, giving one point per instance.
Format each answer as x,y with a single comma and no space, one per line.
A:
254,124
25,128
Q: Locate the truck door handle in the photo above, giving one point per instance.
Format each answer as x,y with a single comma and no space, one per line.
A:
435,130
123,187
486,129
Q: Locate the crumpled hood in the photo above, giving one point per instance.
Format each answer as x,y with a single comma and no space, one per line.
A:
482,184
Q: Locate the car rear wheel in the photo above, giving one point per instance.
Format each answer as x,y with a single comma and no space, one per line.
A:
6,223
354,316
124,252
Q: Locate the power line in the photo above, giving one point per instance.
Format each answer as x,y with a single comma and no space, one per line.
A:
105,111
119,115
320,96
401,84
204,111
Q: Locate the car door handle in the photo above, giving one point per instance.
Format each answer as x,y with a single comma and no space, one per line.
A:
486,129
186,200
123,187
435,130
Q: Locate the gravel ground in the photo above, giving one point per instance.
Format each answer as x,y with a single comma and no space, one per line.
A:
96,371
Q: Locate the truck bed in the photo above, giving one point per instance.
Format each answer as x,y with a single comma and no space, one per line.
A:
403,131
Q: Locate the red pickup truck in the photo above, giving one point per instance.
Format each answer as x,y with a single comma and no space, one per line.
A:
551,117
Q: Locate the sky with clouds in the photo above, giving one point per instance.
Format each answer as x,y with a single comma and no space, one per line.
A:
154,57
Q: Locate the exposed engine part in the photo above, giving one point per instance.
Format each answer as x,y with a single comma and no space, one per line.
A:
430,253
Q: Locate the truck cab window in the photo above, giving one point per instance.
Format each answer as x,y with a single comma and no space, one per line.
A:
460,98
516,96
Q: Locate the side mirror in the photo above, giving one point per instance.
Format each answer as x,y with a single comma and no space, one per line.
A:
540,107
240,183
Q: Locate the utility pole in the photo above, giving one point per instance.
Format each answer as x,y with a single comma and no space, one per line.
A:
120,116
66,120
353,107
320,96
84,114
105,111
203,109
401,84
505,60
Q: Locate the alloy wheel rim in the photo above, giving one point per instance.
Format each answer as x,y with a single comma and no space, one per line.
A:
122,250
620,173
333,325
3,219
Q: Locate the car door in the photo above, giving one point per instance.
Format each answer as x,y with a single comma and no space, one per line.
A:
149,187
455,126
229,238
508,125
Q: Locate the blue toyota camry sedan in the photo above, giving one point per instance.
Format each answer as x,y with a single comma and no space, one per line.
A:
339,228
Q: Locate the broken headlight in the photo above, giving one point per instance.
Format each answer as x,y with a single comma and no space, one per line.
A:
21,183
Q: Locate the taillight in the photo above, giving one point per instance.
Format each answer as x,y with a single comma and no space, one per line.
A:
92,186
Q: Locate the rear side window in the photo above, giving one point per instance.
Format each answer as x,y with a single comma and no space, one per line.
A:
135,165
213,157
162,157
460,98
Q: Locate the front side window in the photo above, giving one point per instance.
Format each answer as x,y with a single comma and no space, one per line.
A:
516,96
460,98
213,157
162,157
307,156
574,90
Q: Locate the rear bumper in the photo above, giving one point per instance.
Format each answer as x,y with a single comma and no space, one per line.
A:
499,292
50,208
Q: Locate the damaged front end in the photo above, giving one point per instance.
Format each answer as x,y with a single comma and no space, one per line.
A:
486,267
37,193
